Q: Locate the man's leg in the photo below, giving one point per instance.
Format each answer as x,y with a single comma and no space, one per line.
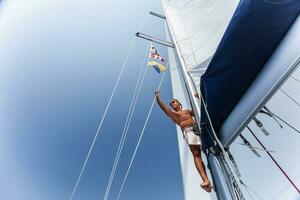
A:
195,149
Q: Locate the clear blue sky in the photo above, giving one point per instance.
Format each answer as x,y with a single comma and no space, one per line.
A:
59,63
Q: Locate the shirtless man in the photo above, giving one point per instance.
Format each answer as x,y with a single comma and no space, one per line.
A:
184,119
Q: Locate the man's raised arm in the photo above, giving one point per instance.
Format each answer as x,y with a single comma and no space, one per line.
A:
162,105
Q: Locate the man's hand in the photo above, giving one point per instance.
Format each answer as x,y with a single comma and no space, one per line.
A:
156,92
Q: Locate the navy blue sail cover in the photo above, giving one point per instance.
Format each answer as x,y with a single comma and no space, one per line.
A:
253,33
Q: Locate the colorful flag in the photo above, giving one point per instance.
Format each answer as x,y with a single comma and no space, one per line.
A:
157,66
154,54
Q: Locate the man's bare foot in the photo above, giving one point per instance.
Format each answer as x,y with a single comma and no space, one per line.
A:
206,186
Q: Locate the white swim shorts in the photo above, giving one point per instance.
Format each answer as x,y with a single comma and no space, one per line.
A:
190,137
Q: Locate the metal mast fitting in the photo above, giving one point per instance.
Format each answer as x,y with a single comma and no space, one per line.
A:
156,40
157,15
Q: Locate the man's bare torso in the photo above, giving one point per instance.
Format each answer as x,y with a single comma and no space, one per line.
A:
183,118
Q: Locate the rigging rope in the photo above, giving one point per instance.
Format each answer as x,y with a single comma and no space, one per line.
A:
212,127
290,97
232,180
247,143
105,112
236,168
293,77
267,112
208,116
259,149
261,126
249,188
292,127
139,140
128,121
273,159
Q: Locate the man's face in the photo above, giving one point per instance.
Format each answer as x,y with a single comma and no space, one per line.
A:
175,104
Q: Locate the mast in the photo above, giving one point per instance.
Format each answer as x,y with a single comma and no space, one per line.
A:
190,176
221,178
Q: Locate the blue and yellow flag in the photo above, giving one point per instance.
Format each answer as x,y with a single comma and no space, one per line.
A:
157,66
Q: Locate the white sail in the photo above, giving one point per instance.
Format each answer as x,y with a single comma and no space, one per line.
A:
196,28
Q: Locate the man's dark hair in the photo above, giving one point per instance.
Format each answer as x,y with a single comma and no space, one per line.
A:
176,101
